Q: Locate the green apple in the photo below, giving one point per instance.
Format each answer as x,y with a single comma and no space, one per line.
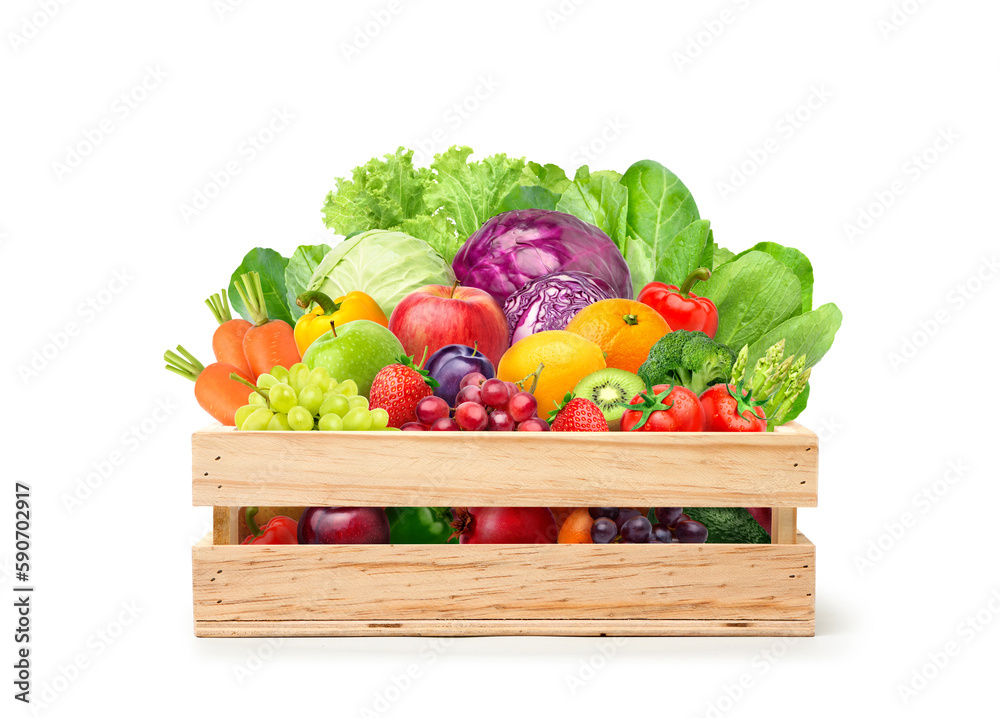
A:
356,350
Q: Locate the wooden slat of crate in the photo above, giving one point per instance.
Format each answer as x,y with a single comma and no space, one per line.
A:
232,468
226,525
504,627
784,525
583,589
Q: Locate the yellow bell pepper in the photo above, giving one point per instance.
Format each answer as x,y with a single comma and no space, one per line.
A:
317,321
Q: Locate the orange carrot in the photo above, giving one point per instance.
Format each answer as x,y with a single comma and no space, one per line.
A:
227,342
215,391
268,343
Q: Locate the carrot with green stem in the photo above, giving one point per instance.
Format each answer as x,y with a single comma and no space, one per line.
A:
216,392
268,343
227,342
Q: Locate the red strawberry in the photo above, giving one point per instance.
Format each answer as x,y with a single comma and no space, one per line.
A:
579,415
398,387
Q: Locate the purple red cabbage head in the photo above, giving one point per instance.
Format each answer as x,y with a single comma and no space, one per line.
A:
549,302
513,248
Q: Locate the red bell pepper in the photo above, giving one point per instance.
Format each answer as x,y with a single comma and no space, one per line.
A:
680,308
279,530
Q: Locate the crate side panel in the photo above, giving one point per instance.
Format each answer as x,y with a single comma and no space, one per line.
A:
388,583
233,468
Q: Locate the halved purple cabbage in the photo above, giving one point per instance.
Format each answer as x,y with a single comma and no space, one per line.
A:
549,302
513,248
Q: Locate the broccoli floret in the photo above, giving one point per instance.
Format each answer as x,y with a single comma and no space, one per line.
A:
690,359
665,355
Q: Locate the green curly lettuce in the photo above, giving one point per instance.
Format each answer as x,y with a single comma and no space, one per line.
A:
442,204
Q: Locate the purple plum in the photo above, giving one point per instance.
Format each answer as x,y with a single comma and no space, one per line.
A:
451,363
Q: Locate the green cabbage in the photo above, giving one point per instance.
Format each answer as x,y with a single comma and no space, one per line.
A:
384,265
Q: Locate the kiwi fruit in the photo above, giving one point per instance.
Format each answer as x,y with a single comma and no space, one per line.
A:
609,389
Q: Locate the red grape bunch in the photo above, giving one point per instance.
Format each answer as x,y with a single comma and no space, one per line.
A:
481,405
613,525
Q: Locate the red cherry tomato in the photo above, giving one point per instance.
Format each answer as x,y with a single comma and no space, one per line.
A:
669,408
728,408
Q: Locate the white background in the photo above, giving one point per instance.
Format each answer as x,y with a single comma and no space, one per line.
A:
700,102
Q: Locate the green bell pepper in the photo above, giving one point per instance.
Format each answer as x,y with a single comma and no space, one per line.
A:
420,524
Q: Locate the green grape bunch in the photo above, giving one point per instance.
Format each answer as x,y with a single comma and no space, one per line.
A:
297,399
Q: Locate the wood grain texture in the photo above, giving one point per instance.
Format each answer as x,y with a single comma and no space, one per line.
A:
784,525
225,528
385,584
232,468
502,627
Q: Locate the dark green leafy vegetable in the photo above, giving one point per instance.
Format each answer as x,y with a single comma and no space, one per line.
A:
639,256
690,249
795,261
597,199
720,255
810,334
707,254
533,197
271,267
799,406
299,271
659,208
754,294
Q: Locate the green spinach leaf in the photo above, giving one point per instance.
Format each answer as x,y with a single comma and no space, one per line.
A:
584,172
598,200
299,271
684,253
639,256
811,334
708,256
754,294
720,255
798,405
271,267
659,207
794,260
533,197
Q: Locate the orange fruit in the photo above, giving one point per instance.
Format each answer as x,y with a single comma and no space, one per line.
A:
576,528
566,358
561,513
623,329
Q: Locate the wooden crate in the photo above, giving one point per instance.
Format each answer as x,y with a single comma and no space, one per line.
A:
581,589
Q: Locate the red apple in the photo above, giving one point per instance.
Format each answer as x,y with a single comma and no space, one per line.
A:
435,316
